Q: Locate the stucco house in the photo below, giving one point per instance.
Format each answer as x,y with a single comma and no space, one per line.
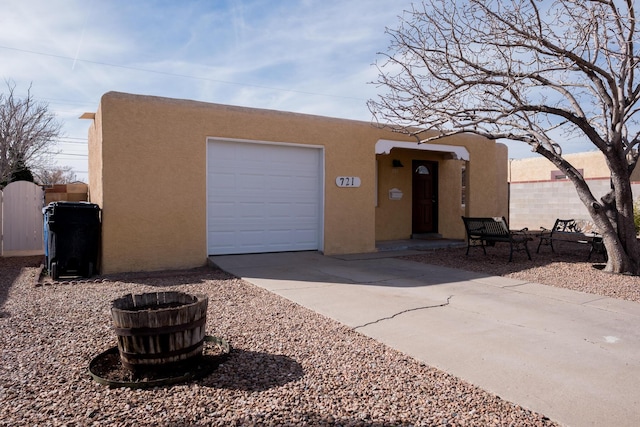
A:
180,180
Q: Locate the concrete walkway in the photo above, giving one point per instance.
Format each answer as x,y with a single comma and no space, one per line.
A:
571,356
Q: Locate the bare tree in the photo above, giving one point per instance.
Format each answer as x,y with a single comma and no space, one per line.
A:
27,131
62,175
537,71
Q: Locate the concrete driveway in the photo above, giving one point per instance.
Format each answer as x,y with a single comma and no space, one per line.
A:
571,356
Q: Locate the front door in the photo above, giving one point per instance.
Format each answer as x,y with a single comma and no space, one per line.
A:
425,197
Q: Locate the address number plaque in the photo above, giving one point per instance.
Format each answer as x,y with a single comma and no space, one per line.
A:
348,181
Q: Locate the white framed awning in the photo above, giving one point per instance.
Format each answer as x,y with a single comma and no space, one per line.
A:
384,146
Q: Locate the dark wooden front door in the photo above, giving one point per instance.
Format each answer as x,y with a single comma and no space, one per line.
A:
425,197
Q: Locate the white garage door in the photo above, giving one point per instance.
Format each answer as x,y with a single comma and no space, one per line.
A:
263,197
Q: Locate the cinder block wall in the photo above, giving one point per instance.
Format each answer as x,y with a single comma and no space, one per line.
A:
539,204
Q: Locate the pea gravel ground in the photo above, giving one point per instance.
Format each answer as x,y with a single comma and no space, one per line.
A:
567,268
288,366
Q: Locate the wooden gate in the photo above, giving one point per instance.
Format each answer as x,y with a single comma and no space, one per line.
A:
21,221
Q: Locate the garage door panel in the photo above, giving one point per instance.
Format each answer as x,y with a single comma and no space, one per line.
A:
249,210
226,211
308,235
263,198
280,237
254,241
304,183
225,180
283,183
225,240
251,181
279,210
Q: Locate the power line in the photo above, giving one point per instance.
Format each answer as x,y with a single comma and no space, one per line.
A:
166,73
72,142
68,154
65,101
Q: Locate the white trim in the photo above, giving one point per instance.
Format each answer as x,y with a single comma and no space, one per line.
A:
384,146
254,141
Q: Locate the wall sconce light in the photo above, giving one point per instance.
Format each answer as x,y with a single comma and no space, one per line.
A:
397,163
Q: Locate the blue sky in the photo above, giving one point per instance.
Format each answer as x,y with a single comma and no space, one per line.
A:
307,56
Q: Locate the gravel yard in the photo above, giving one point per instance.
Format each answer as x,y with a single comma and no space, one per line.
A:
567,268
288,366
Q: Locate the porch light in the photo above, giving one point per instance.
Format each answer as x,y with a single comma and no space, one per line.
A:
397,163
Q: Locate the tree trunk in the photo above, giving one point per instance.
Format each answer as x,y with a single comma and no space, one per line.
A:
622,245
614,218
613,215
618,258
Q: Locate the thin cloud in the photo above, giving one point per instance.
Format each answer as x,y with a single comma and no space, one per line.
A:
305,56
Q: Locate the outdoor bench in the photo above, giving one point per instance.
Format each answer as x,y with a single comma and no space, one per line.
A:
572,231
489,231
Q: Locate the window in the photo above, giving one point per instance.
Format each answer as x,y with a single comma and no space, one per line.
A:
422,170
556,174
464,186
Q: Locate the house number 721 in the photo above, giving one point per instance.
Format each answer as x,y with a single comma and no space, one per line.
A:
348,181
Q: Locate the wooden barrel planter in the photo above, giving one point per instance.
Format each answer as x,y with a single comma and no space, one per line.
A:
157,330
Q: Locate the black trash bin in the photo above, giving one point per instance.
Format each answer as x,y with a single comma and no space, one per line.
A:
72,238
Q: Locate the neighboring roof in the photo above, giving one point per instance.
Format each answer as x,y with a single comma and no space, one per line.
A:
591,164
384,146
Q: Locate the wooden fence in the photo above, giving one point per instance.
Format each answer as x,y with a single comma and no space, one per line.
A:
21,220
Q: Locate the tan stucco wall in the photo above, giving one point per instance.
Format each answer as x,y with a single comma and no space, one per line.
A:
147,162
487,179
394,217
591,163
95,159
147,187
501,175
489,196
